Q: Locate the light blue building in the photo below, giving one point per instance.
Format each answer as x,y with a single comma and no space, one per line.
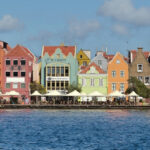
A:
59,67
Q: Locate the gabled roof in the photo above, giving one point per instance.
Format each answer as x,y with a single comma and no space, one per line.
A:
101,71
146,54
65,50
19,50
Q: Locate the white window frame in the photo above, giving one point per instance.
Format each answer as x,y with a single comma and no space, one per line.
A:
83,82
138,68
112,73
6,60
122,87
117,61
122,71
92,82
140,78
101,82
14,86
14,60
113,85
145,82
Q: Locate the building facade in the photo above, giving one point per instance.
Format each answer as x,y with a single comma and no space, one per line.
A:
139,65
4,48
83,57
117,74
93,78
59,67
18,67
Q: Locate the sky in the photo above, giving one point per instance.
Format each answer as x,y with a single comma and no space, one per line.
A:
115,25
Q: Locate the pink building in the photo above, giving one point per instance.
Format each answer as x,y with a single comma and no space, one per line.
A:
18,66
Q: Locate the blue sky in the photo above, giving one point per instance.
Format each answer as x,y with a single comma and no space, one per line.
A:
119,25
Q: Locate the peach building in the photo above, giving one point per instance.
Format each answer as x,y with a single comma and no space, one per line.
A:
118,74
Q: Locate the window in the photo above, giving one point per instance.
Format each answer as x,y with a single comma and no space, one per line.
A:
66,84
23,62
118,61
23,85
15,62
80,56
7,74
49,71
121,73
139,68
15,74
84,63
122,87
62,85
99,62
147,80
7,62
53,85
57,85
113,73
140,78
66,71
57,71
100,82
15,85
58,55
113,86
7,85
83,82
23,74
92,82
53,71
62,71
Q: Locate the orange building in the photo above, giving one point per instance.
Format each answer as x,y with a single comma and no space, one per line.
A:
4,47
118,74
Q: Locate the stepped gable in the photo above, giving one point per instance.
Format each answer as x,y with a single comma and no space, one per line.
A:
146,54
19,50
65,50
100,70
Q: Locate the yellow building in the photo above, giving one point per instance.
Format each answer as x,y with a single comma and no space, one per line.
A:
83,57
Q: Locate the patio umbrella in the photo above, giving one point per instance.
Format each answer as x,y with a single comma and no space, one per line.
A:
96,94
74,93
36,93
116,94
133,94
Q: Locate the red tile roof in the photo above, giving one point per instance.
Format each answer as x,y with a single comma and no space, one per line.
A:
146,54
101,71
19,50
65,50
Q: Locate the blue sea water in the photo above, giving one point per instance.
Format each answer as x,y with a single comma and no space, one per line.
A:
74,129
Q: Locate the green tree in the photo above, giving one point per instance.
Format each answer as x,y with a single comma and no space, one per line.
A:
139,87
37,87
73,87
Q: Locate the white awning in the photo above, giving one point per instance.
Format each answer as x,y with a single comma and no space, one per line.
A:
53,93
133,94
96,93
35,93
74,93
12,93
116,94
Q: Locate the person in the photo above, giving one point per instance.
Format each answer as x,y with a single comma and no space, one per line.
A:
26,100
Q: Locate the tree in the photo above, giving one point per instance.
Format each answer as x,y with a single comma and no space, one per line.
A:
37,87
73,87
139,87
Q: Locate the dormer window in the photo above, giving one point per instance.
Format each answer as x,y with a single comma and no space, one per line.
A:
139,68
118,62
80,56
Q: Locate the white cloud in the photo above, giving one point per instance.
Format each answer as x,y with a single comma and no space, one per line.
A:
123,10
80,30
120,29
9,23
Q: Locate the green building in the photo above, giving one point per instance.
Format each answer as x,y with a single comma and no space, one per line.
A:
93,78
59,67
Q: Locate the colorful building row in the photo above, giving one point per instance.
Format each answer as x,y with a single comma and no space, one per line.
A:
61,66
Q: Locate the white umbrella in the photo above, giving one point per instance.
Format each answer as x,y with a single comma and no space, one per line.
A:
116,94
74,93
96,93
12,93
53,93
133,94
35,93
83,94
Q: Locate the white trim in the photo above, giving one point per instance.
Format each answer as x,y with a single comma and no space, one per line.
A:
138,68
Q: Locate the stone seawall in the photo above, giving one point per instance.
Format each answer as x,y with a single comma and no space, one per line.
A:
17,106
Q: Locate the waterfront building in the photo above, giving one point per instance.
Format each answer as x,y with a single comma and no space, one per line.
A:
83,57
139,65
4,48
117,74
59,67
18,67
93,78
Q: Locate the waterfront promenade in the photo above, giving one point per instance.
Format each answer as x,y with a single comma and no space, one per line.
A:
71,106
